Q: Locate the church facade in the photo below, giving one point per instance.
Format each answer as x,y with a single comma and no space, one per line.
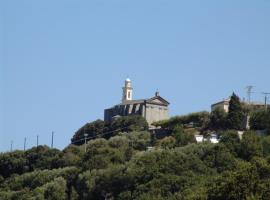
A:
152,109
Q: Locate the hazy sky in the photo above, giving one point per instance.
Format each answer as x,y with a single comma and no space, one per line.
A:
62,62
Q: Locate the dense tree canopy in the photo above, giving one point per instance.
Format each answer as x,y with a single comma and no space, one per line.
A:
131,164
122,167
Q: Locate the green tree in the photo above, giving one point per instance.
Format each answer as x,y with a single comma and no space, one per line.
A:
250,145
43,157
102,153
103,183
197,119
260,120
72,155
138,140
262,167
13,163
266,145
231,140
182,138
129,124
239,183
166,142
55,190
236,114
219,157
92,129
106,130
218,119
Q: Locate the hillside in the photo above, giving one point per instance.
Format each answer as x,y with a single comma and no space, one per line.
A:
122,168
123,160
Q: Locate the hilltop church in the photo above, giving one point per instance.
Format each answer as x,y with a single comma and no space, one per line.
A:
152,109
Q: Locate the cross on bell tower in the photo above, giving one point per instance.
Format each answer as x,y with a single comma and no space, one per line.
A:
127,91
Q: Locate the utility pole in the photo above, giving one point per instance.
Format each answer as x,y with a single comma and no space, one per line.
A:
265,99
85,136
52,140
37,140
24,144
249,88
11,145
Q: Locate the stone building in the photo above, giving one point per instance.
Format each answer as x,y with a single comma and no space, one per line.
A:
223,105
152,109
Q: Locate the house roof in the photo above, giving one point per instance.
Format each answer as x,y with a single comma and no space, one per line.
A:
225,101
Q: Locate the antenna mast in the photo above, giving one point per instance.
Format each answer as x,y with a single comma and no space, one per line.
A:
249,91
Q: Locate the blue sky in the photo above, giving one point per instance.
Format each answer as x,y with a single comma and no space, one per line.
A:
62,62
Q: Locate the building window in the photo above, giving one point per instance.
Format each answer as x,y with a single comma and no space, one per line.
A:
129,95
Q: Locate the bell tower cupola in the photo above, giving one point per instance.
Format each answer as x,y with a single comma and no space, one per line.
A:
127,91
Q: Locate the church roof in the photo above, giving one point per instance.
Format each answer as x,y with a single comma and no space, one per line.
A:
154,100
160,100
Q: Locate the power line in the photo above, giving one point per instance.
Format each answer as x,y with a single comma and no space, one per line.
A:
102,134
52,138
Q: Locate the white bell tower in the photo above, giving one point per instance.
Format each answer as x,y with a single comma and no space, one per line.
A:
127,91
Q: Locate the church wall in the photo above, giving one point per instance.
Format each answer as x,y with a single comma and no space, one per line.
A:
123,110
151,112
108,114
156,113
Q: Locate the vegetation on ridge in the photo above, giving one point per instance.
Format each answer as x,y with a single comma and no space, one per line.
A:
130,164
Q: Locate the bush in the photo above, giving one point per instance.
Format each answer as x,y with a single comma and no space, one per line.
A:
198,119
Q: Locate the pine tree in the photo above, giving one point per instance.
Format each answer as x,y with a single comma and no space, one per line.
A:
236,114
